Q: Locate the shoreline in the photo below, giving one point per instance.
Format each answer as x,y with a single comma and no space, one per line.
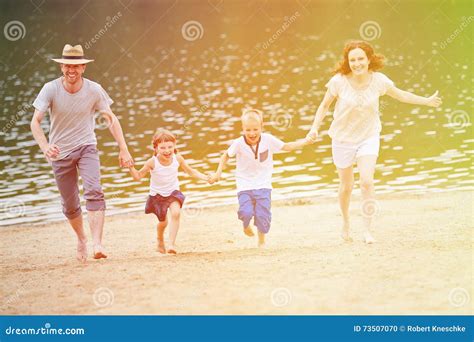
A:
419,265
306,198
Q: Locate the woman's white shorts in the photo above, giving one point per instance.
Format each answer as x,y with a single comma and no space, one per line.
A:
345,154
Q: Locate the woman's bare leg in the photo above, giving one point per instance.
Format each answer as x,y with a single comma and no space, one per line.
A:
366,166
346,184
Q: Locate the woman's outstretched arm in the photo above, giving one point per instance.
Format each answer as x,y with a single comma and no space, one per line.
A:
407,97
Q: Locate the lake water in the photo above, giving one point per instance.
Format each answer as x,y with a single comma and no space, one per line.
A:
276,56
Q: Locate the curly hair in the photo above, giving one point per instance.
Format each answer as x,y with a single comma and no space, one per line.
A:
376,61
161,136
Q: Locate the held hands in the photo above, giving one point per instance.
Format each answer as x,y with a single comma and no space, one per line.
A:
434,100
125,159
312,136
213,178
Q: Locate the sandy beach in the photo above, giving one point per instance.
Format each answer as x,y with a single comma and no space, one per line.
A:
421,263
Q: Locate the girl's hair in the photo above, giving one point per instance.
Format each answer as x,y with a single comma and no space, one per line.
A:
161,136
375,60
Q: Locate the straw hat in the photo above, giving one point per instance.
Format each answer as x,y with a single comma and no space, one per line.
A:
72,55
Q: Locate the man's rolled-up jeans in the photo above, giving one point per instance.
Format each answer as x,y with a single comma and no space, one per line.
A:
83,161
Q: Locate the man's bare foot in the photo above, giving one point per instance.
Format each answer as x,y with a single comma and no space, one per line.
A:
249,231
172,249
81,254
345,233
161,247
261,240
99,252
369,239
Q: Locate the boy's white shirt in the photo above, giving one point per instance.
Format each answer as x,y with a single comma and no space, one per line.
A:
251,173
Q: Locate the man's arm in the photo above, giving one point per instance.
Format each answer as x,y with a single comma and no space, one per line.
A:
50,151
115,128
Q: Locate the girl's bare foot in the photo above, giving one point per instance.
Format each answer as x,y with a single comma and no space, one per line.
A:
345,233
249,231
261,240
81,254
369,239
161,247
99,252
172,249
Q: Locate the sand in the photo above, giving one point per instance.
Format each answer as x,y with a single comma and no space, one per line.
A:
421,263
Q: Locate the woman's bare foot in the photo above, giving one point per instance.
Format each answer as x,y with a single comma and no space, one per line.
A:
172,249
345,233
249,231
261,240
368,238
81,254
99,252
161,247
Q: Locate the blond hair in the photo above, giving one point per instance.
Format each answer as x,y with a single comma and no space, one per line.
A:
251,113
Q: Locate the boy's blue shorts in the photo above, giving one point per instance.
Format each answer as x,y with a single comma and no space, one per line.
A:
256,204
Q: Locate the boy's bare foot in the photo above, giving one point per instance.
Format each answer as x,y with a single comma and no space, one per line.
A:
261,240
345,233
172,249
99,252
369,239
161,247
249,231
81,254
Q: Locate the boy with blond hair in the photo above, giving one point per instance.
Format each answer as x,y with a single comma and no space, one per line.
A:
254,167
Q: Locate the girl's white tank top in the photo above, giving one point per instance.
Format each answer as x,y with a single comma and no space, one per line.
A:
164,179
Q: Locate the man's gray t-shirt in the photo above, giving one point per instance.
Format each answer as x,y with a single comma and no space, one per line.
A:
72,115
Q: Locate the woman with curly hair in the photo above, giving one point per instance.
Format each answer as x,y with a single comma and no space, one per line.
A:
355,129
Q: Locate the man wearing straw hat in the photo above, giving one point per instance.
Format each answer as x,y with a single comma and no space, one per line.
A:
72,102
